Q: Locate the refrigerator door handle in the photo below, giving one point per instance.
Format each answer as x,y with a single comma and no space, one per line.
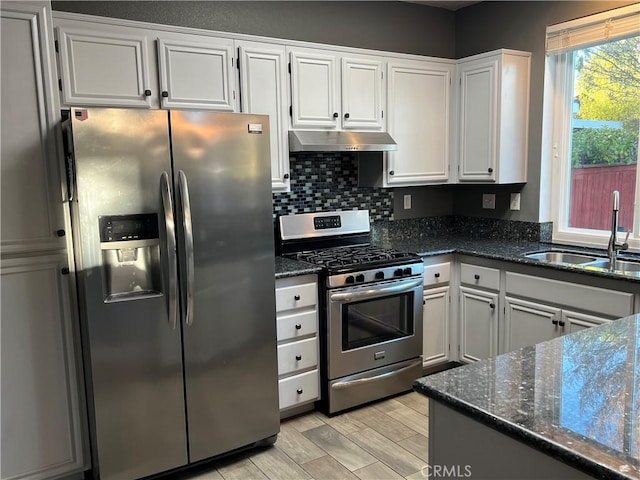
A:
172,264
188,244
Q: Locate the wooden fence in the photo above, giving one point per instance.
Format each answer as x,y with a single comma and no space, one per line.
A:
591,196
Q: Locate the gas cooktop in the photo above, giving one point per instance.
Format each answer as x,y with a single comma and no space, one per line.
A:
361,256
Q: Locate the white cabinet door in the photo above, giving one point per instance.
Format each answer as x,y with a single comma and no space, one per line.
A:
315,94
196,73
575,321
418,96
31,199
478,324
529,323
435,326
107,68
362,93
478,120
263,83
493,117
42,431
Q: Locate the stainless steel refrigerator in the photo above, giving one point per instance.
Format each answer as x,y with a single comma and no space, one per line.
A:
173,233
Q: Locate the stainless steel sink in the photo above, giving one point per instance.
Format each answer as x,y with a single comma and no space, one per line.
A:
623,266
554,256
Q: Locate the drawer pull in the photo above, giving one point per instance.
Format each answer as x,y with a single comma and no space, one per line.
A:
299,391
555,322
476,276
298,357
298,326
296,297
561,323
437,275
492,305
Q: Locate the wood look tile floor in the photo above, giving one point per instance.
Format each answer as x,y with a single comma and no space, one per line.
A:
382,441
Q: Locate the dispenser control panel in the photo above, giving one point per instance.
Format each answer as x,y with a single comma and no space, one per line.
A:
121,228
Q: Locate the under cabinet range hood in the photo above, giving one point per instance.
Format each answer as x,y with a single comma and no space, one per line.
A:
340,141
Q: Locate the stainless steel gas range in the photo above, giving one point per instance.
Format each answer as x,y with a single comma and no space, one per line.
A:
371,321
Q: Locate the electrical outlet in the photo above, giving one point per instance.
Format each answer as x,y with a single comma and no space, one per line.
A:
515,201
407,202
489,200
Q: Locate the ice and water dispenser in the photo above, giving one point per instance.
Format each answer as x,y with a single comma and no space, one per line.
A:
130,247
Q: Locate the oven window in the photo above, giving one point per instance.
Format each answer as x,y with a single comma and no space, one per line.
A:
377,320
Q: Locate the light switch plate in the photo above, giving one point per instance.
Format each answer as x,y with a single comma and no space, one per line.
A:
515,201
489,200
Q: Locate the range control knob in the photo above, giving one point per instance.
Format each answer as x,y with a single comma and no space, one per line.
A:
407,271
360,278
398,272
349,279
379,275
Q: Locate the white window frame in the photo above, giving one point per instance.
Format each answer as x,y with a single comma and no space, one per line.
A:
562,40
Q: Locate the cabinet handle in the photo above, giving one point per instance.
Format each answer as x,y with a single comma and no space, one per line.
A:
60,233
296,297
335,115
476,276
299,391
424,302
298,326
346,115
298,357
561,323
555,322
165,94
392,172
437,275
490,170
286,176
492,305
65,271
147,93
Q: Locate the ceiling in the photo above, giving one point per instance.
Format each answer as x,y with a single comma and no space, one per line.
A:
448,4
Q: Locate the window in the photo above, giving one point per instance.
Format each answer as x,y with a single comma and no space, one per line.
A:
594,66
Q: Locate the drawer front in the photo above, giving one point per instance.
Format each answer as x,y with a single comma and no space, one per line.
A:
437,274
575,296
483,277
297,325
298,389
296,296
297,355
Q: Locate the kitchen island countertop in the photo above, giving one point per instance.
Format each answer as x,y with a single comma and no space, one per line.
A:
575,398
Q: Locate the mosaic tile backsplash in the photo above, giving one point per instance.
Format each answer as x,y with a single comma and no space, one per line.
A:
329,181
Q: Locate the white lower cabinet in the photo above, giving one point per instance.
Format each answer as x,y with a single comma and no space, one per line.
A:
297,329
436,342
479,312
478,324
42,411
540,309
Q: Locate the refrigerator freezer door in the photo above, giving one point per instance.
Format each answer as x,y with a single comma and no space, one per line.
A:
229,334
136,379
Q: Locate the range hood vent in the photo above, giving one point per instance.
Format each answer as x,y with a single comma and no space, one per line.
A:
322,141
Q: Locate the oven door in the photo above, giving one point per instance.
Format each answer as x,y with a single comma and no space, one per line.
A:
373,325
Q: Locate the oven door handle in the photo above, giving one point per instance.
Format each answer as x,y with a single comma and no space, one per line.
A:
359,381
375,292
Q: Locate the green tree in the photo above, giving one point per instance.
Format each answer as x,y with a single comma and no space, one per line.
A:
608,83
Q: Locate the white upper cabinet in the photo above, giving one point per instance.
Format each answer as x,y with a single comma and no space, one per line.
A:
334,91
419,97
31,198
263,82
493,117
196,73
114,66
109,68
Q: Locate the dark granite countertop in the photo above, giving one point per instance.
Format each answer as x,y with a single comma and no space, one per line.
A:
498,249
576,398
285,267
